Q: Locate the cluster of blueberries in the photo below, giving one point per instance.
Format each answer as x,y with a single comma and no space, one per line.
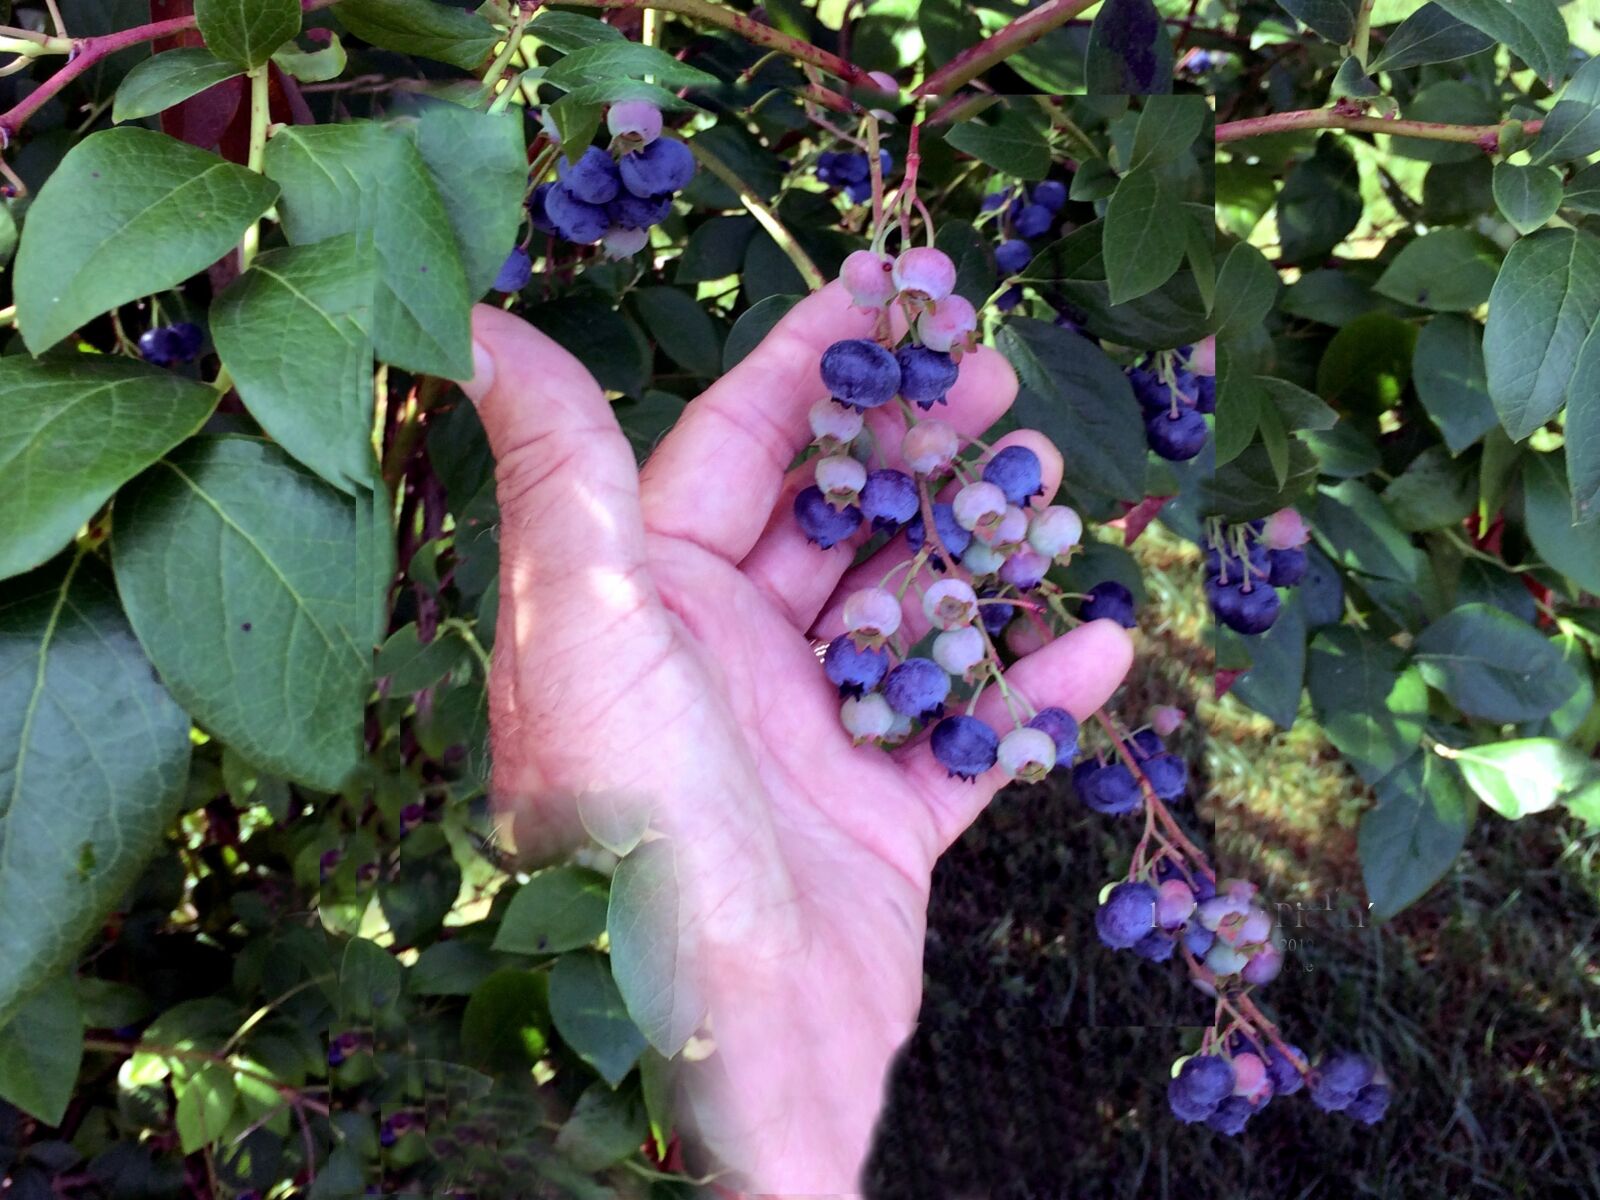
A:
1226,1089
610,196
1175,391
1110,787
990,527
1024,216
170,345
851,172
1220,925
1246,564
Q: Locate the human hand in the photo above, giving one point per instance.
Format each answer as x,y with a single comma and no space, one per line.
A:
655,647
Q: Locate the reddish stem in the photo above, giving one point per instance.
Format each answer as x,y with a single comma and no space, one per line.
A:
1024,31
1486,136
89,51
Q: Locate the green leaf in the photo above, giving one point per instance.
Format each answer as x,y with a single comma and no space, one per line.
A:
648,955
1250,486
1358,533
1451,101
1526,196
1320,202
75,430
1429,35
363,178
1570,134
453,968
1332,19
754,324
1130,52
127,213
682,328
1525,776
1246,288
411,665
948,27
246,32
1533,29
1572,549
1583,190
370,981
1277,671
576,121
506,1024
94,755
1493,666
312,66
1144,234
589,1014
1082,401
420,27
605,1127
1583,432
167,79
716,249
1433,492
1168,128
567,32
1011,145
1240,399
626,60
1299,408
1448,270
206,1101
558,909
268,643
294,332
41,1049
1544,303
608,343
479,165
1413,835
969,250
1372,707
1449,376
1367,365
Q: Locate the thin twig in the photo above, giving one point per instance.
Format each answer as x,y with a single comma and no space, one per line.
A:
1024,31
758,208
1486,136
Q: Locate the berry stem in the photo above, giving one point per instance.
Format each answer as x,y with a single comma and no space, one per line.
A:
768,220
1024,31
260,111
491,77
1485,136
1162,814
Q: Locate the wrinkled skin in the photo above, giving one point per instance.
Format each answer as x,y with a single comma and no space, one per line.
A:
655,650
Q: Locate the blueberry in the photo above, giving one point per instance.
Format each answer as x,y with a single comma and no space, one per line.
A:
628,211
1152,394
594,178
665,165
536,209
1286,567
851,168
1206,1080
995,200
1108,788
995,617
168,345
917,688
859,193
822,522
514,272
1205,394
1338,1080
1051,194
1370,1104
852,669
1145,744
1244,611
1016,471
574,219
1033,221
1060,725
1009,299
1176,438
1111,600
889,499
1012,256
860,372
1168,775
1155,946
1256,555
1197,939
964,746
1230,1116
925,375
1286,1079
1129,912
954,538
828,168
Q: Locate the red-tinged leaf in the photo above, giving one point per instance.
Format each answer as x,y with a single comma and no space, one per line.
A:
1224,681
1138,517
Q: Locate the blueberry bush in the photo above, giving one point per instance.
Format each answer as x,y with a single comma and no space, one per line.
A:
1308,287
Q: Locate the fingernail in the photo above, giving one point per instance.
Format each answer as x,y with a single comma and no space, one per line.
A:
482,372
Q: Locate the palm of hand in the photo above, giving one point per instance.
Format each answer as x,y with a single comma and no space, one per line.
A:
653,650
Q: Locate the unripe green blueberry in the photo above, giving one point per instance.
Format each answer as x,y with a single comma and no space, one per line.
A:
981,559
1008,533
1055,530
950,604
871,615
959,650
930,446
833,425
867,718
979,506
841,478
1027,754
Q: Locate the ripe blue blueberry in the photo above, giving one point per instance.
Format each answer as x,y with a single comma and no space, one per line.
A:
1244,609
995,617
1176,438
1205,393
1338,1080
954,538
1145,744
1226,561
925,375
1202,1083
995,200
1051,194
1108,788
167,345
1152,394
1197,939
917,688
1016,471
665,165
889,499
1060,725
594,178
1009,299
1370,1104
1110,600
574,219
1129,912
514,272
1286,567
628,211
1155,946
964,746
822,522
854,669
1230,1116
1033,221
1168,775
1012,256
860,372
1286,1079
536,209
